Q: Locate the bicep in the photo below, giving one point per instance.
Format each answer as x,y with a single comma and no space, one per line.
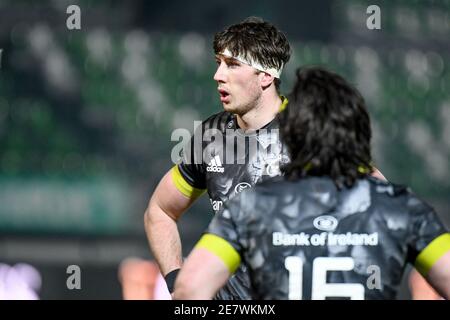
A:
433,263
202,275
439,275
170,199
420,288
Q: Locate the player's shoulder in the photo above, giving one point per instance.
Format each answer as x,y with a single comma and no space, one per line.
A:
221,120
388,188
400,195
253,203
250,197
268,191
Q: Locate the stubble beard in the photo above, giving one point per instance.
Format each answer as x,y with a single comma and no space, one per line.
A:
243,108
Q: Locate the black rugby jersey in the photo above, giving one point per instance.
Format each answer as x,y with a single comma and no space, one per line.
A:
308,240
223,160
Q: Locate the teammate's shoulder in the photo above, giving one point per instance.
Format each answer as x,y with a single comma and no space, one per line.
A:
274,188
253,202
268,184
398,197
221,120
251,196
388,188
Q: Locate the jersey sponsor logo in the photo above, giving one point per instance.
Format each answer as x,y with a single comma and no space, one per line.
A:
324,239
325,223
216,204
215,165
242,186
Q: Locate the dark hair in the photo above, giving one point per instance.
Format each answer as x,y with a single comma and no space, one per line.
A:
326,128
256,39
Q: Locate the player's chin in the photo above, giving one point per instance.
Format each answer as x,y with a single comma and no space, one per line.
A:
229,107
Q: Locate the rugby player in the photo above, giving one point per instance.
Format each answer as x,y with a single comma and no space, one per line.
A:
326,228
250,57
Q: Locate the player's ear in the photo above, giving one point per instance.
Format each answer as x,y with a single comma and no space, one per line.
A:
266,79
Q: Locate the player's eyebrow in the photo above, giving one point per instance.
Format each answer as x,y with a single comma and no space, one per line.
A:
227,59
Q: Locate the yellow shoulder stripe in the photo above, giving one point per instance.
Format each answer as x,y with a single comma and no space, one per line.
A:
222,249
182,185
432,253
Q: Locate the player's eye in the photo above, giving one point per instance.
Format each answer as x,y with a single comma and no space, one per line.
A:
233,64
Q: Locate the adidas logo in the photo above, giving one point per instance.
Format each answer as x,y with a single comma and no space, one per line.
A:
215,165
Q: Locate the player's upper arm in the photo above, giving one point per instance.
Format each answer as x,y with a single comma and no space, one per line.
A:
174,195
206,270
221,249
433,263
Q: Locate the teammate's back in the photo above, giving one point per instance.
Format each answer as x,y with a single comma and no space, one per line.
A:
308,239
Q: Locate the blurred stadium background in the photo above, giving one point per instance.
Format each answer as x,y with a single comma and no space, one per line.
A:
86,115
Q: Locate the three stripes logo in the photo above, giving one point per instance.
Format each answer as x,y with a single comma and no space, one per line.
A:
215,165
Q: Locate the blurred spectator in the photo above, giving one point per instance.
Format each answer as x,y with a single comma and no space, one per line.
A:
19,282
142,280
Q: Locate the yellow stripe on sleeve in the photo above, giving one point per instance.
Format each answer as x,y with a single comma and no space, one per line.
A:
182,185
432,253
222,249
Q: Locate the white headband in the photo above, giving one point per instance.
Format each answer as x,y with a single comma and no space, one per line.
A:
272,71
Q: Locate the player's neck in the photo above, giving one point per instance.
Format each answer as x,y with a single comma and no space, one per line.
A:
264,112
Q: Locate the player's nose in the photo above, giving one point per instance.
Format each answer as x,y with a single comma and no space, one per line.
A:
220,76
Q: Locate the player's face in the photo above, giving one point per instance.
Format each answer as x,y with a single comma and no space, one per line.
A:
238,85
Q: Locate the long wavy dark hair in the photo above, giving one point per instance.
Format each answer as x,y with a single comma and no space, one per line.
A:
326,128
